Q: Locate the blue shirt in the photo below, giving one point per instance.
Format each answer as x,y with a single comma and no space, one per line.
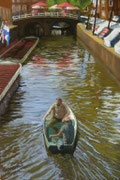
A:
67,131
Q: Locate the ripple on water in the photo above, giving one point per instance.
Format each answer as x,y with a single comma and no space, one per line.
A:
63,69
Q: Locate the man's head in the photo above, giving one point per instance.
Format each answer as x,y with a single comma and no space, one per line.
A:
59,101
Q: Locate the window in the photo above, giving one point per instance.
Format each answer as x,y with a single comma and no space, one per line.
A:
7,16
93,12
18,7
9,13
24,8
103,2
13,9
103,13
1,12
86,9
0,21
110,14
110,2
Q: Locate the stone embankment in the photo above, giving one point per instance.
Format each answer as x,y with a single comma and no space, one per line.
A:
106,55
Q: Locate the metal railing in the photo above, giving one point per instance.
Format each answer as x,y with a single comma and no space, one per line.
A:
45,14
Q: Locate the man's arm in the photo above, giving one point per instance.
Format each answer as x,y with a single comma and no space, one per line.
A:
49,111
55,135
59,133
65,117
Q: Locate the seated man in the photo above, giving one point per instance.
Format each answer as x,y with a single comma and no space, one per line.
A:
66,131
60,111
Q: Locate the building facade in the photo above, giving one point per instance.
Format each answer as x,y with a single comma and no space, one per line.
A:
117,8
106,6
22,6
93,9
5,9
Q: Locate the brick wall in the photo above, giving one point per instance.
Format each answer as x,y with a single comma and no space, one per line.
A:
5,9
6,3
19,7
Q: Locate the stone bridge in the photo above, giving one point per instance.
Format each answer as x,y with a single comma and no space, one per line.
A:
42,24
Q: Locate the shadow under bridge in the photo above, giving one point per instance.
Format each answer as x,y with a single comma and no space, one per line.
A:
45,26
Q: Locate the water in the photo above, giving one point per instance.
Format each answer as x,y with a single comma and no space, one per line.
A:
63,69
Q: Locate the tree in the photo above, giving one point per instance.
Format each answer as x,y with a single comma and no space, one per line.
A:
50,2
83,4
53,2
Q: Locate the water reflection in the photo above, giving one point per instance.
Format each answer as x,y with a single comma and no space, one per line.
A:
59,67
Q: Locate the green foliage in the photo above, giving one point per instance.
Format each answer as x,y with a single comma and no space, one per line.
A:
53,2
50,2
61,1
83,4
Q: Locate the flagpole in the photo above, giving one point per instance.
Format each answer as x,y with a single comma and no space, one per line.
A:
111,13
89,13
95,16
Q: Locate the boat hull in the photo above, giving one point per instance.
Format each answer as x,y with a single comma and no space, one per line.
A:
56,145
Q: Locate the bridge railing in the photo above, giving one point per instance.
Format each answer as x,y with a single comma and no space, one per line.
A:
44,14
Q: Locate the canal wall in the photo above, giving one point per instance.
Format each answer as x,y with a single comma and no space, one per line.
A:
9,82
106,55
10,67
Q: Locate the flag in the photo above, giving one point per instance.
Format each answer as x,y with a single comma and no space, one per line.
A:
2,37
5,35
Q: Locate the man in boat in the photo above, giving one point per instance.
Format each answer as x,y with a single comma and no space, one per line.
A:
66,131
60,111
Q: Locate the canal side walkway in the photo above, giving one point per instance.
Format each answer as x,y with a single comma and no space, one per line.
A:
11,59
96,45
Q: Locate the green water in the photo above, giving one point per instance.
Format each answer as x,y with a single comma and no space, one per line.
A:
63,69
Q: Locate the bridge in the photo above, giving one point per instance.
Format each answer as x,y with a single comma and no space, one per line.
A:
42,24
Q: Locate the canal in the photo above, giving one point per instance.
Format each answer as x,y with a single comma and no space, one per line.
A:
59,67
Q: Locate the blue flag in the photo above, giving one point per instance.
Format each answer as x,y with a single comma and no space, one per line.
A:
5,35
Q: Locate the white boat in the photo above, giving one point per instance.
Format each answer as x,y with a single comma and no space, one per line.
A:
56,144
117,47
112,38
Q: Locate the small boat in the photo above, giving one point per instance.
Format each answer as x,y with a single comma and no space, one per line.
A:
56,144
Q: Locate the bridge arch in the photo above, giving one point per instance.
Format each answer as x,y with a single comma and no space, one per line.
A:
33,29
62,27
43,26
